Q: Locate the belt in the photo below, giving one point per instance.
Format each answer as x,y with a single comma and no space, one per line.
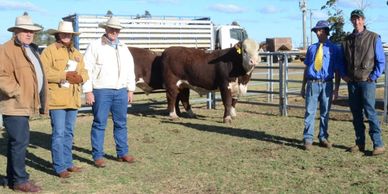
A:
320,80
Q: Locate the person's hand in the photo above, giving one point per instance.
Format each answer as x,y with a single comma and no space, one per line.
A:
89,98
77,79
130,97
73,78
303,92
70,74
335,95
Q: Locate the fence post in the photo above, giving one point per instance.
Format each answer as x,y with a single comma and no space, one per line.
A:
285,70
281,85
270,77
211,100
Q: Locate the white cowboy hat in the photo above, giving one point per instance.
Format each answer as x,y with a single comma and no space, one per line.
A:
112,22
24,22
64,27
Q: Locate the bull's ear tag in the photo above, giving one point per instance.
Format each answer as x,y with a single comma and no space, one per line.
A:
239,51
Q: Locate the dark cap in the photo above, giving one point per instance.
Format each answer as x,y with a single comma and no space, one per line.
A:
358,13
321,24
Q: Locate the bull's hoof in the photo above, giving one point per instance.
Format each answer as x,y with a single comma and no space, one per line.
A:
173,116
191,114
228,120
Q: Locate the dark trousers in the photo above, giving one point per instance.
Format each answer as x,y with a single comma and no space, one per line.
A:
18,132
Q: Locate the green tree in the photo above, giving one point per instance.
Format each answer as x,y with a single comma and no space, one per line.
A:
43,38
337,19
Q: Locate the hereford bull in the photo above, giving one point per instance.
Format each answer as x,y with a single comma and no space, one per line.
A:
190,68
148,69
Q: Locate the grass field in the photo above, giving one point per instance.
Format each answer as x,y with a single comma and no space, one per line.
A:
260,152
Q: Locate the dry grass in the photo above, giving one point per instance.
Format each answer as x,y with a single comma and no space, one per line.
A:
259,153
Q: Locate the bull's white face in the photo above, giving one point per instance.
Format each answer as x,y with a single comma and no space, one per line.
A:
250,54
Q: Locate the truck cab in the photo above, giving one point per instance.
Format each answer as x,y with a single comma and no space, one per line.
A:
228,35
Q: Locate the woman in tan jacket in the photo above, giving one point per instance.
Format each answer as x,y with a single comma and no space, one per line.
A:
65,72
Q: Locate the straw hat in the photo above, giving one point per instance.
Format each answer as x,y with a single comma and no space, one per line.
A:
64,27
112,22
24,22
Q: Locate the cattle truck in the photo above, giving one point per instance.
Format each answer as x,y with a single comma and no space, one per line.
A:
159,33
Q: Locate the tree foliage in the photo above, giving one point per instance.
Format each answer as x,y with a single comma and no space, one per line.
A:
43,38
337,20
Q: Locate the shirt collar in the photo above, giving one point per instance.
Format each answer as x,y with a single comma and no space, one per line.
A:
106,41
61,45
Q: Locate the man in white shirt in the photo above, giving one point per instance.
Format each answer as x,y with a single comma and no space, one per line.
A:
109,89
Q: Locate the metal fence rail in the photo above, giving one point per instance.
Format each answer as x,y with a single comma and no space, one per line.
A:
285,90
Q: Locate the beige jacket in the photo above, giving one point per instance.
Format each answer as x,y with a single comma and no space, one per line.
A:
19,94
55,58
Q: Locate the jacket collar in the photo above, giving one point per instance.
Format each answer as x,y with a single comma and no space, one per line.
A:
359,33
106,41
61,45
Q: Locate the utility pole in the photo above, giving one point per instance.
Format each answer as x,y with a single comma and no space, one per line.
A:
311,24
311,12
303,8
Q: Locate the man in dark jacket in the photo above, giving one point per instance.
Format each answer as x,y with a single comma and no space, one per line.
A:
22,94
365,62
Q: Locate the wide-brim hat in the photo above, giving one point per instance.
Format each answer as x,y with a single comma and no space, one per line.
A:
321,24
24,22
64,27
112,22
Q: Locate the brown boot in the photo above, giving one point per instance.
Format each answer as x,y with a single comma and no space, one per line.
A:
378,151
308,146
325,144
100,163
65,174
126,158
27,187
75,169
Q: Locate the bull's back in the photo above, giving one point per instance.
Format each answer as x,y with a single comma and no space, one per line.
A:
190,64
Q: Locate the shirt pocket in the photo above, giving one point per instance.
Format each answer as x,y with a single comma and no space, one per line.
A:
59,64
58,97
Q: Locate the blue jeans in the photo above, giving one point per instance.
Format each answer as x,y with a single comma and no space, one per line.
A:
317,92
362,99
116,102
18,131
62,124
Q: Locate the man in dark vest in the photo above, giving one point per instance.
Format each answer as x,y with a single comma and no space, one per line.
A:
364,62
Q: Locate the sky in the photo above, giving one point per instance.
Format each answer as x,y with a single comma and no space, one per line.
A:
261,18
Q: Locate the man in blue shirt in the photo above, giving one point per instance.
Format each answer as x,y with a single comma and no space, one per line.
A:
364,62
322,60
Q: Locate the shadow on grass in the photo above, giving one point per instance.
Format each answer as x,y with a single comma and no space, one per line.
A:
42,140
250,134
154,110
244,133
89,152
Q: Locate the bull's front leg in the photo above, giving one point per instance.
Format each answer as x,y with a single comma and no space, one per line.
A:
227,101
